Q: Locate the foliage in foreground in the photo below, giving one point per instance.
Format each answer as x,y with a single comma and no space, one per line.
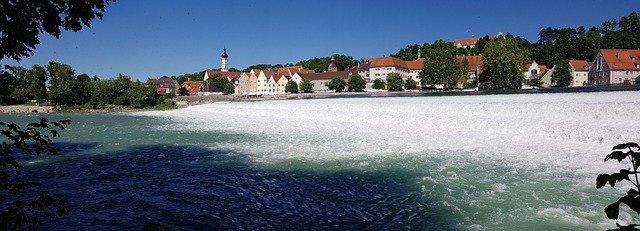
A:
22,207
632,199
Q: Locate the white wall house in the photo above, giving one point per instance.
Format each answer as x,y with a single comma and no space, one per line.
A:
615,67
580,72
380,68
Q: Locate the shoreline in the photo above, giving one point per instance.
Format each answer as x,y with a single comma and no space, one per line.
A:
187,101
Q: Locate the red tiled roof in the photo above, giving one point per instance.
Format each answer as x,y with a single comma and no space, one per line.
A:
387,62
475,61
470,41
162,80
192,87
416,65
580,65
225,74
622,59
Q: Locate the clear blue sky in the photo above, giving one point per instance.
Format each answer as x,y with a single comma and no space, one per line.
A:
143,38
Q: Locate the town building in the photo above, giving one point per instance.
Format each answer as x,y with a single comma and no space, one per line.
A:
380,68
192,88
580,72
533,71
471,42
164,85
475,69
615,67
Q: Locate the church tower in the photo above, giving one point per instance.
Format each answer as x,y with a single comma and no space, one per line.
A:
332,66
225,61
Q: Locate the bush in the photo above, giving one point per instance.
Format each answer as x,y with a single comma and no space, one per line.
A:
632,199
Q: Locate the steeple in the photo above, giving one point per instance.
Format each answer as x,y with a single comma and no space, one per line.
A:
225,61
419,55
332,66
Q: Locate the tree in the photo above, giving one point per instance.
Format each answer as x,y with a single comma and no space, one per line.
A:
356,83
535,82
17,209
394,82
561,76
229,89
410,84
306,86
337,84
505,60
37,83
38,17
409,53
632,199
321,64
60,78
378,84
218,81
118,88
442,67
291,87
139,95
19,75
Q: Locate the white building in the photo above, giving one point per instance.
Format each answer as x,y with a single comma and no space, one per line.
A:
580,72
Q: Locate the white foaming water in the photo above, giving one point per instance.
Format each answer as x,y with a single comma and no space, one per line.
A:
536,129
529,146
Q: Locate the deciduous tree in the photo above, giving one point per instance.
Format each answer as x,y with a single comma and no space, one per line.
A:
337,84
378,84
410,84
22,22
356,83
306,86
394,82
561,76
505,60
291,87
37,83
442,67
21,206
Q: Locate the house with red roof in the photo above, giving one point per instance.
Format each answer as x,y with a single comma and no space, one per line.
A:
615,66
580,72
193,88
379,68
471,42
533,71
164,85
476,68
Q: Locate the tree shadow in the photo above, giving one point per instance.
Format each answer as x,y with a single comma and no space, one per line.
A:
197,188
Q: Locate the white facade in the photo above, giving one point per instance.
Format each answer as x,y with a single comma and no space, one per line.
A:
382,72
272,87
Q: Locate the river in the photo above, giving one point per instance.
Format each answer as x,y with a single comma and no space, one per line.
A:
476,162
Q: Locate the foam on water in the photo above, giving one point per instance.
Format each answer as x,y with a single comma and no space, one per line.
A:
493,159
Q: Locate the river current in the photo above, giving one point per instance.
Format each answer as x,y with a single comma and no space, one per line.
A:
483,162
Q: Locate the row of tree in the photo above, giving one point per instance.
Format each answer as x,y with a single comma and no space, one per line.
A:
57,83
557,44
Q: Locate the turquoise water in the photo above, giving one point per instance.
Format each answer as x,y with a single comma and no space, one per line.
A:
500,162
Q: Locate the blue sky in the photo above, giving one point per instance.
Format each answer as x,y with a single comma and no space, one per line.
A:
145,39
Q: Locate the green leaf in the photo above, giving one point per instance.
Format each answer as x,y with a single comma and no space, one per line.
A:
602,180
612,210
617,155
625,146
632,200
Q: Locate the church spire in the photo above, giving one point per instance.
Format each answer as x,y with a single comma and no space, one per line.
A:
332,66
225,61
419,53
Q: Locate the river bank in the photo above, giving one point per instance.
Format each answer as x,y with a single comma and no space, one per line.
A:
186,101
